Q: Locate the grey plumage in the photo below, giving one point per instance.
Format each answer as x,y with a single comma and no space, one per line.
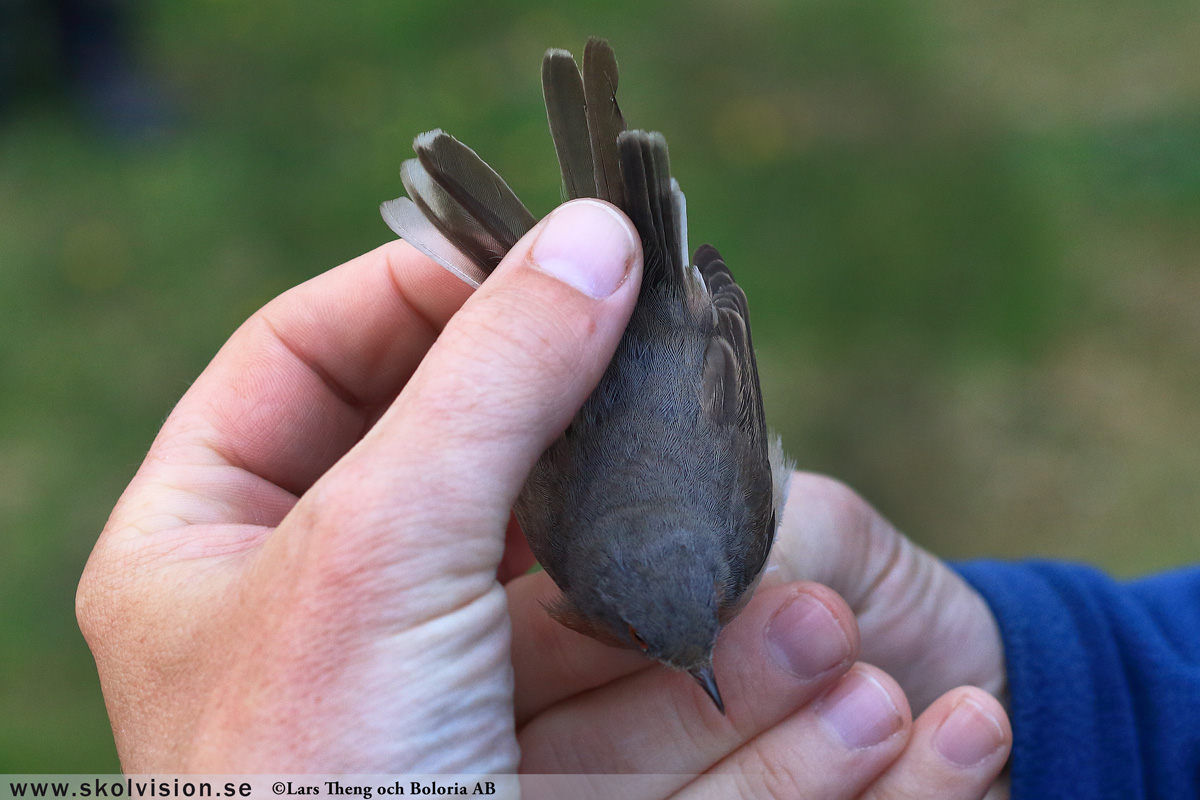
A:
654,512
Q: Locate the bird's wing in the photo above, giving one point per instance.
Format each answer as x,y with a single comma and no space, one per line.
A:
734,398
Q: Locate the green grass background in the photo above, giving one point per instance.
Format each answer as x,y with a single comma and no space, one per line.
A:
969,232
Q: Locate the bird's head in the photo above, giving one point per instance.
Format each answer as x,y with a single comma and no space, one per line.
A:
663,601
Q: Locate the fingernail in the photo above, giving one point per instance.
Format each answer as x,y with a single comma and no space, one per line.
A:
585,244
805,639
860,711
968,735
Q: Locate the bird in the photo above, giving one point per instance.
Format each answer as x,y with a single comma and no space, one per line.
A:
655,510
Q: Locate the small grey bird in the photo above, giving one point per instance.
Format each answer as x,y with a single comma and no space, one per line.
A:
655,510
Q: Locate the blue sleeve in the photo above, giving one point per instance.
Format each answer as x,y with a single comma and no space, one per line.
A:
1103,677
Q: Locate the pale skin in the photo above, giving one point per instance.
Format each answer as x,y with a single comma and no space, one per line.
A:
315,570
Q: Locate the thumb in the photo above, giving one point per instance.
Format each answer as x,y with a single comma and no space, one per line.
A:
506,376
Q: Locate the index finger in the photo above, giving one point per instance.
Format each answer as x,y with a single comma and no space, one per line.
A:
295,387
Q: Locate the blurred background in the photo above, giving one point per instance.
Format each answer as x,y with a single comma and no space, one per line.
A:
969,232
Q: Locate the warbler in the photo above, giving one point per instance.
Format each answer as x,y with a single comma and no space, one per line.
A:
654,512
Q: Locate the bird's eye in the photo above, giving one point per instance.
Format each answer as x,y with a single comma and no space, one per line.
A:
639,641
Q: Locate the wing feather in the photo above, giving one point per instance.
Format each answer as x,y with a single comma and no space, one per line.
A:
731,353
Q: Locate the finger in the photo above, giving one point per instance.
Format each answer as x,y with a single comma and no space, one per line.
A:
787,647
447,460
292,390
832,749
912,609
958,747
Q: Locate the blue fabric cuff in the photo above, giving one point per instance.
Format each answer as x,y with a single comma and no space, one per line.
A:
1093,708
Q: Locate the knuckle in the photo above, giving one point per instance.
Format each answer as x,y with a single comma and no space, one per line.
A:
109,597
561,651
548,747
850,536
348,567
506,366
100,593
339,527
89,611
327,508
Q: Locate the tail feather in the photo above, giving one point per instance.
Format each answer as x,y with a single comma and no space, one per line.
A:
411,224
469,206
585,120
455,223
481,192
679,204
464,198
656,206
563,91
604,118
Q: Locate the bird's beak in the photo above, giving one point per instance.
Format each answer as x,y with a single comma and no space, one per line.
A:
708,681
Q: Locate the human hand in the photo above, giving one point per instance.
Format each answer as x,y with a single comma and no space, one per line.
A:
292,582
302,576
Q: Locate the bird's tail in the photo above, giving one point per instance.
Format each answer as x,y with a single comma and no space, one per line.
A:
599,158
463,215
585,120
657,208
